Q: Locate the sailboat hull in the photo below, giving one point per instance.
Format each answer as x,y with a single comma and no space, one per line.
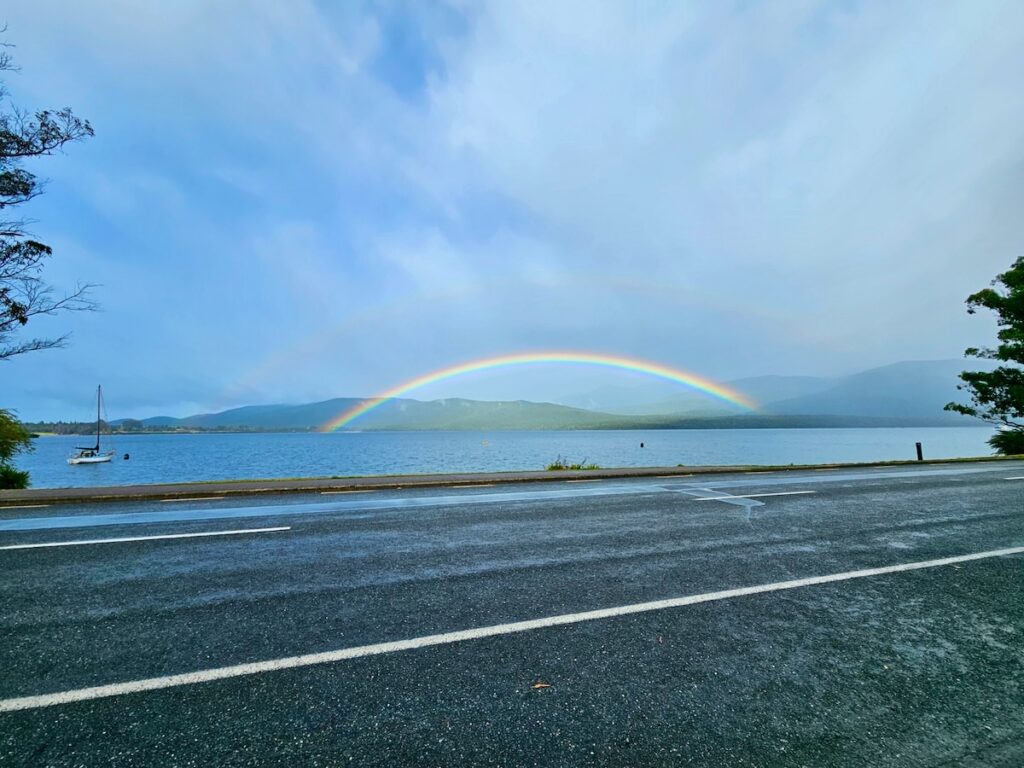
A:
90,455
98,459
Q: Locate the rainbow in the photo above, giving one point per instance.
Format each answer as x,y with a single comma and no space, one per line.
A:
691,380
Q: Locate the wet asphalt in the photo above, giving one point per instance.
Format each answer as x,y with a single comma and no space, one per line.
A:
920,668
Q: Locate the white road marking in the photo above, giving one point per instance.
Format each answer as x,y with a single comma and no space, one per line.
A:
472,485
145,538
34,506
447,638
725,498
753,495
673,476
193,498
335,493
1008,478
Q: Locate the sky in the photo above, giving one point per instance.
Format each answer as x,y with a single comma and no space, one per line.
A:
287,202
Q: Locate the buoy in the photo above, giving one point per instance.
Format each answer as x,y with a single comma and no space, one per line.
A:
641,445
126,457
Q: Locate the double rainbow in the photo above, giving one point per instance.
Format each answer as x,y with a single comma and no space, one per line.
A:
708,387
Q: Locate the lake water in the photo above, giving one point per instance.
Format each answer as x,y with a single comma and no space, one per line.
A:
180,458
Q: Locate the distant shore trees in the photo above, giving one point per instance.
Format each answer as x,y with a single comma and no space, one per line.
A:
997,396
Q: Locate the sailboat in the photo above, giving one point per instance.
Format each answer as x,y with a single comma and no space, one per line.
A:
93,455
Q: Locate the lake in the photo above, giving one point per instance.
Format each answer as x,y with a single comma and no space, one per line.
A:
169,458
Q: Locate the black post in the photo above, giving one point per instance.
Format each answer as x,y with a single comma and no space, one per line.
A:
920,455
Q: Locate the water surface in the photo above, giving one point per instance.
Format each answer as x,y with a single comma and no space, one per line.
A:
182,457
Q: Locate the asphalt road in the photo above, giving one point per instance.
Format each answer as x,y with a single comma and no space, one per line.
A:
914,662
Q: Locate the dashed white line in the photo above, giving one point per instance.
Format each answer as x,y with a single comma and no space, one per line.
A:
1008,478
447,638
752,495
24,506
81,542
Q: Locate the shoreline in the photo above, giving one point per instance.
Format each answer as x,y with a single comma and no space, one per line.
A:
699,424
216,489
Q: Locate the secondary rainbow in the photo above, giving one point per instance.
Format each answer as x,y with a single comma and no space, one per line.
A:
699,383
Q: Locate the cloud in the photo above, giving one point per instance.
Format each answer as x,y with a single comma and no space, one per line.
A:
827,157
309,200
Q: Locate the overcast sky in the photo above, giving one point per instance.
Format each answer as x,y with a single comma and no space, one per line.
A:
293,201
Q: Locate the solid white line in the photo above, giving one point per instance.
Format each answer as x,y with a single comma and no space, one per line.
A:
145,538
194,498
24,506
327,657
472,485
584,481
1008,478
335,493
753,495
673,476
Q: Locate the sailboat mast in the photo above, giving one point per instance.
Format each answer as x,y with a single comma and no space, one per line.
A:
99,390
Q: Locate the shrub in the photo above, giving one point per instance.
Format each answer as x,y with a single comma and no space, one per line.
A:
562,463
14,439
1009,442
11,478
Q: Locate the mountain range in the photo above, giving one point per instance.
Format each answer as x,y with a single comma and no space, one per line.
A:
907,393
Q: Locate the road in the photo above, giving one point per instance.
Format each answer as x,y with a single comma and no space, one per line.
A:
828,618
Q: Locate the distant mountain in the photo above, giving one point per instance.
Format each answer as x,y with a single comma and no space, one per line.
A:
907,390
916,389
760,389
908,393
306,416
769,389
452,413
459,413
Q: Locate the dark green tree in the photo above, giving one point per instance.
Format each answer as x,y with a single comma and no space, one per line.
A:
997,396
23,292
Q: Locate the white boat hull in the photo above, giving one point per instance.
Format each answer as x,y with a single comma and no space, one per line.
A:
87,454
97,459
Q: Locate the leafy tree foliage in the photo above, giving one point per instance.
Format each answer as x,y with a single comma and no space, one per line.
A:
23,293
14,439
997,396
